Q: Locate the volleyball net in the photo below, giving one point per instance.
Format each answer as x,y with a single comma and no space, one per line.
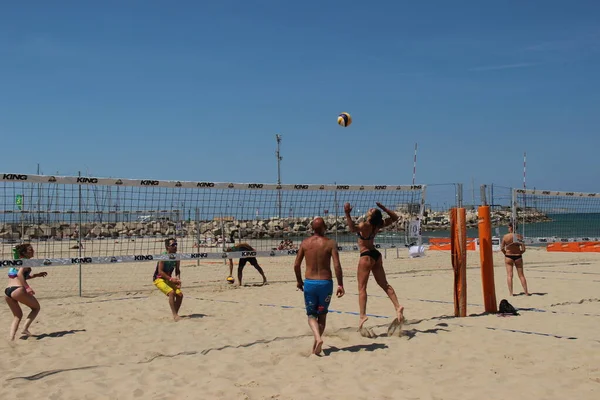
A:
545,216
89,220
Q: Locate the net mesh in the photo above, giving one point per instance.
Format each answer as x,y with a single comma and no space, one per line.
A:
545,216
82,222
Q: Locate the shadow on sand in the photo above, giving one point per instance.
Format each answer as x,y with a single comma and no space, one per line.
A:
355,348
52,334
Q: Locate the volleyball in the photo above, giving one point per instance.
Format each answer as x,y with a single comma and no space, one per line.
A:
344,119
230,279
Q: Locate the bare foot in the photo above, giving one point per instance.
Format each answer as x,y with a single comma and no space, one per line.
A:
318,347
26,333
362,322
176,318
400,315
365,332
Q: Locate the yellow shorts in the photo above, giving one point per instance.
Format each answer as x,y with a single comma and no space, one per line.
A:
166,286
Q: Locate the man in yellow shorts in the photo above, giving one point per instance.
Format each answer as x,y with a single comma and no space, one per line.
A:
166,282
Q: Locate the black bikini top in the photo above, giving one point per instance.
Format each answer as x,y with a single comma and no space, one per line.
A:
371,236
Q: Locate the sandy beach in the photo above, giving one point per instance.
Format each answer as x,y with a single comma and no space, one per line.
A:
119,342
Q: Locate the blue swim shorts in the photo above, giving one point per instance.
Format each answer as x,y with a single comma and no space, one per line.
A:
317,296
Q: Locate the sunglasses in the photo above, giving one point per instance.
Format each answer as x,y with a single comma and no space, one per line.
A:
173,245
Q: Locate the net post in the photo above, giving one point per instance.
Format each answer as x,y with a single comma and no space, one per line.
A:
421,214
486,255
223,247
459,195
197,235
458,251
79,244
279,158
22,221
514,207
335,206
482,194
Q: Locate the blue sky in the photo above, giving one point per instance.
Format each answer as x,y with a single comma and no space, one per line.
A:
194,90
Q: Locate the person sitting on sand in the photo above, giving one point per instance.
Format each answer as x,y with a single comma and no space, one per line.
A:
19,291
167,283
242,262
513,248
318,283
371,261
286,244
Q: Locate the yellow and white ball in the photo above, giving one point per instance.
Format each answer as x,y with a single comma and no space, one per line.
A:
344,119
230,279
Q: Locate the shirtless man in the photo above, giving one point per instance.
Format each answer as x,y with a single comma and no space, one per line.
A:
370,261
513,248
318,283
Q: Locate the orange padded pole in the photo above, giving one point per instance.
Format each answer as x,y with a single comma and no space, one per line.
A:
458,236
487,259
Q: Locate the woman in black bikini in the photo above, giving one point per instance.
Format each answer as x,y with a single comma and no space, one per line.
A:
513,248
18,291
371,261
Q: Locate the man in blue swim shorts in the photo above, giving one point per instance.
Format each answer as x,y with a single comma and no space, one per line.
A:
318,284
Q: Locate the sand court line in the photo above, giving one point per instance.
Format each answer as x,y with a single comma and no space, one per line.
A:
289,307
564,279
521,331
103,301
540,310
566,272
527,309
413,299
387,317
44,374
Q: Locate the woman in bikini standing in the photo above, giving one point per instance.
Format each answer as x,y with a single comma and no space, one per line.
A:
18,291
513,248
371,261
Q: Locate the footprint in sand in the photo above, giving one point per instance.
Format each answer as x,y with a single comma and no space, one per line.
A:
367,332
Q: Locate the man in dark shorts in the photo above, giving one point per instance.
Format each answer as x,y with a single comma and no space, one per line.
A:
243,261
318,283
